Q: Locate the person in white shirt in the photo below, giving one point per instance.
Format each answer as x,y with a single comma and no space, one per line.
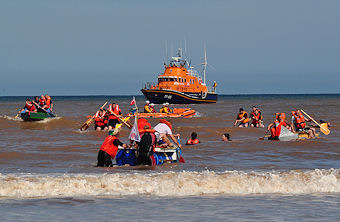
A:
163,130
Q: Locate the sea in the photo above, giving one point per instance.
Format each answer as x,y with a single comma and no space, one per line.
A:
48,169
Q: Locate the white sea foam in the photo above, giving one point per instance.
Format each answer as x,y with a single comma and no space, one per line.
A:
170,184
11,118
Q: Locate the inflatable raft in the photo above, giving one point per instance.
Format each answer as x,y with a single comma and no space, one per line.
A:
177,113
127,156
36,116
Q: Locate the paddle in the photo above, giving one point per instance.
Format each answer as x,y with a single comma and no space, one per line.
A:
126,123
262,138
86,125
50,113
322,129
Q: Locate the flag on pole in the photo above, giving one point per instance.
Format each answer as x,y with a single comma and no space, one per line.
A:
134,134
133,101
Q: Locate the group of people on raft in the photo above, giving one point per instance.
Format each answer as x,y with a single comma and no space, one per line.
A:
107,119
255,119
161,136
298,122
39,104
149,108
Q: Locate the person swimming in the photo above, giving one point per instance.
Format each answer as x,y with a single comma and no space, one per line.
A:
226,137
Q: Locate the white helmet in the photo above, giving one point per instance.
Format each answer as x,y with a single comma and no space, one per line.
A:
151,104
147,101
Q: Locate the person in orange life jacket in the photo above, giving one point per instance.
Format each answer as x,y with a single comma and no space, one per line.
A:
29,107
165,108
226,137
242,119
275,127
109,148
256,119
152,108
163,130
113,120
299,122
49,104
100,119
193,139
147,107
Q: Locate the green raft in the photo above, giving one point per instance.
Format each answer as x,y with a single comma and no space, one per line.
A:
36,116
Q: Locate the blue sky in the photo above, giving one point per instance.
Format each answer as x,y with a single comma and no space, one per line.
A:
83,47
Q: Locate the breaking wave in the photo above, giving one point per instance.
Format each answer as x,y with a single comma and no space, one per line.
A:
11,118
169,184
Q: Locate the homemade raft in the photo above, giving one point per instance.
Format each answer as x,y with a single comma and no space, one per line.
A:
177,113
127,156
36,116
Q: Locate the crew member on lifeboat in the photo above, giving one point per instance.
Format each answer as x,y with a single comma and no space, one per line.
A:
147,107
152,108
242,119
165,108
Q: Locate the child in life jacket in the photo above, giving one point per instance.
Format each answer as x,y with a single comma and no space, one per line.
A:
109,148
193,139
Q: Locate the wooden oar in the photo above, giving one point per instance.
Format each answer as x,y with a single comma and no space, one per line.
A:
86,125
126,123
322,129
262,138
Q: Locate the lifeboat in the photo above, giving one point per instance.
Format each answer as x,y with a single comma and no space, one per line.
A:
180,84
177,113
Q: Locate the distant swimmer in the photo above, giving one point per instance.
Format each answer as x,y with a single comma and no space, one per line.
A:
193,139
113,112
299,122
256,118
242,119
101,120
275,127
109,148
147,107
29,107
163,130
226,137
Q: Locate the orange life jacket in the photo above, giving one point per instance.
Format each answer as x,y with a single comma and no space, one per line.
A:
48,102
276,130
282,115
109,147
116,110
300,121
166,122
256,118
100,120
241,115
192,142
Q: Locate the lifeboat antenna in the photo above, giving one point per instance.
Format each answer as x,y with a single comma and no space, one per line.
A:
205,63
166,50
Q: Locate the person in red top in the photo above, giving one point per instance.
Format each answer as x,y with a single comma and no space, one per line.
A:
49,104
193,139
100,119
109,148
275,128
29,107
113,112
256,118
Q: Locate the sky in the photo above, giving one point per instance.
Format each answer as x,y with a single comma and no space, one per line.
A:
112,47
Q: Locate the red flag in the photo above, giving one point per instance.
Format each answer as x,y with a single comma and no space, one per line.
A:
133,102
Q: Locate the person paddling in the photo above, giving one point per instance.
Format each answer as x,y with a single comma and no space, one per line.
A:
299,122
29,107
109,148
100,119
113,112
163,130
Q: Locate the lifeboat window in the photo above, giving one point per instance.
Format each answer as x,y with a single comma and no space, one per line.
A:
171,79
185,80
